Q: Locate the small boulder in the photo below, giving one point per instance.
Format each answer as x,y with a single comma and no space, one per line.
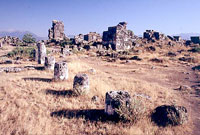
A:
95,99
170,115
184,88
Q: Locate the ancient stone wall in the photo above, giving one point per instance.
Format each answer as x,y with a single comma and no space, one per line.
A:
118,37
8,40
153,35
93,37
57,30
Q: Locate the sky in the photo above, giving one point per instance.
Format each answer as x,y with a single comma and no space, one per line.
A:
84,16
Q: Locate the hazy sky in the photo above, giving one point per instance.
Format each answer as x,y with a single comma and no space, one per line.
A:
83,16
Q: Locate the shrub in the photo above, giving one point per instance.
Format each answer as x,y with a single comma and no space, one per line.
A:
195,50
22,52
28,38
133,112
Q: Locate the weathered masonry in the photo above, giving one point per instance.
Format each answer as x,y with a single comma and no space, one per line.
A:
57,30
118,37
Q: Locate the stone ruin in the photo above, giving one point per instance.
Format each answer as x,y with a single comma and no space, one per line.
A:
81,84
118,37
93,37
41,53
56,32
8,40
49,62
116,100
153,35
177,38
60,71
79,39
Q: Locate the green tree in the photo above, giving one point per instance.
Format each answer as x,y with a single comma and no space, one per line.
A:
28,38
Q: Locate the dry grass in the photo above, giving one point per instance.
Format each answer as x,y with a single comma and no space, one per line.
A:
26,107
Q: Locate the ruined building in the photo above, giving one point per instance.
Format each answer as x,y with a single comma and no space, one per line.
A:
78,39
93,37
152,35
118,37
8,40
57,31
177,38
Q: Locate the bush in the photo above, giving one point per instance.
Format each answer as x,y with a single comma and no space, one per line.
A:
195,50
132,113
28,38
22,52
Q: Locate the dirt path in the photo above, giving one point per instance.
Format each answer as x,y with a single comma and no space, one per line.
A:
173,76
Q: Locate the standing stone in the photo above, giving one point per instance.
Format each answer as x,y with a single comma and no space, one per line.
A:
116,100
81,84
41,53
49,62
1,44
60,71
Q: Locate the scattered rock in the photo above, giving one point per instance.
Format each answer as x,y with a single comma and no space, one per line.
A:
171,54
151,48
143,96
93,71
136,58
188,59
7,62
184,88
81,84
157,60
11,69
95,99
170,115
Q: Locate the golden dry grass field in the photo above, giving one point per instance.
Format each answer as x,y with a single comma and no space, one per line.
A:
28,99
